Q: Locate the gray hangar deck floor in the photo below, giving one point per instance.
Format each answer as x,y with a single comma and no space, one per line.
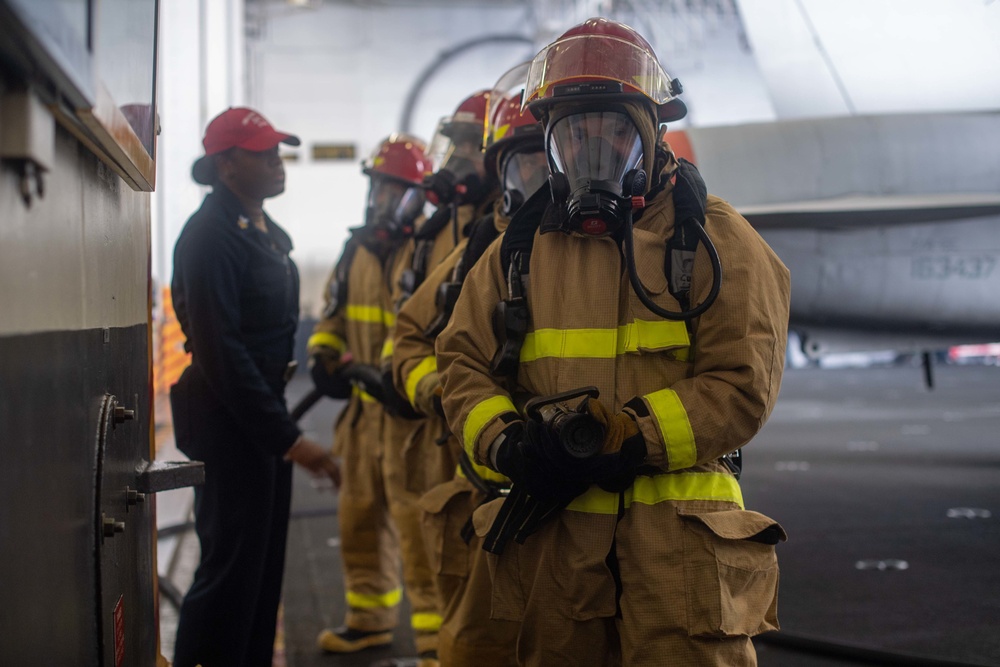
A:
890,494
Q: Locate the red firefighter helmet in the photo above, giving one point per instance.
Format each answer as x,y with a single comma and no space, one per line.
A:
600,57
469,118
395,195
400,157
506,123
510,126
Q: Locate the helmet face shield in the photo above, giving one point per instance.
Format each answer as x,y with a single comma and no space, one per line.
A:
598,58
457,147
595,148
601,57
393,205
463,156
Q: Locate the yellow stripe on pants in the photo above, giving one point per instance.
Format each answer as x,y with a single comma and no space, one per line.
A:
372,601
426,622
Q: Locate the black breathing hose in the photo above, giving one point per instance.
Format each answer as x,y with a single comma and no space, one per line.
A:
640,290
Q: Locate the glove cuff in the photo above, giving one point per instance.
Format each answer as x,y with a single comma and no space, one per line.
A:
634,449
503,455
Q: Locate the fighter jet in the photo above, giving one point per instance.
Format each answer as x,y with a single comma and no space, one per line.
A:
889,224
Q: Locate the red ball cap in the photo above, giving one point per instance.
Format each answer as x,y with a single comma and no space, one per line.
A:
240,127
237,127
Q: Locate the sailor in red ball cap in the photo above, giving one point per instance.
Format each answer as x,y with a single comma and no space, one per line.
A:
236,293
241,138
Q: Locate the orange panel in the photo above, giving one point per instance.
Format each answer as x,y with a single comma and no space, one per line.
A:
679,143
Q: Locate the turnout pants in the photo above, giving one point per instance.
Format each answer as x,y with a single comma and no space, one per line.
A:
468,636
652,576
413,465
369,540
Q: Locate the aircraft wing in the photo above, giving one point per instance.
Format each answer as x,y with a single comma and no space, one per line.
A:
889,225
868,211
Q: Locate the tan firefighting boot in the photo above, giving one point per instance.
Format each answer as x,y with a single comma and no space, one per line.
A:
349,640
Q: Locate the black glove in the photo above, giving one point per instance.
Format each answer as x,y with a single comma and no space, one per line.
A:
531,457
690,193
394,402
441,186
616,472
334,385
367,378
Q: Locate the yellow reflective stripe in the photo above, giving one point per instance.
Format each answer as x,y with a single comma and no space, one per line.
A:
675,428
661,488
428,365
595,500
569,344
480,416
322,339
655,334
364,395
370,314
373,601
685,486
386,348
484,473
426,622
605,343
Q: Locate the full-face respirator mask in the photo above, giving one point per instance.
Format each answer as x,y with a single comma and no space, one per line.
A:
597,156
596,160
459,178
522,172
393,207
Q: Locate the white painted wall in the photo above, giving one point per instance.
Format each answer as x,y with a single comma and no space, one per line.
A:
339,73
201,73
833,58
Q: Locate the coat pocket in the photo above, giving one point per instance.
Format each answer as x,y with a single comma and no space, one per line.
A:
507,599
447,509
427,463
731,571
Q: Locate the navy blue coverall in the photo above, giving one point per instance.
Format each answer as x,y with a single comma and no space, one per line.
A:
236,294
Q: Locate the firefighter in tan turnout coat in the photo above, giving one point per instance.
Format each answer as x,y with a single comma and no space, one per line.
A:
414,462
514,156
642,552
357,321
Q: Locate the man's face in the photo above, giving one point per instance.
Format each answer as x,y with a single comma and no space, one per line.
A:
598,145
253,174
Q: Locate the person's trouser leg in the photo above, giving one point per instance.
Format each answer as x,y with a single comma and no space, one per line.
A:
369,541
559,588
468,635
261,649
235,511
672,569
409,452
